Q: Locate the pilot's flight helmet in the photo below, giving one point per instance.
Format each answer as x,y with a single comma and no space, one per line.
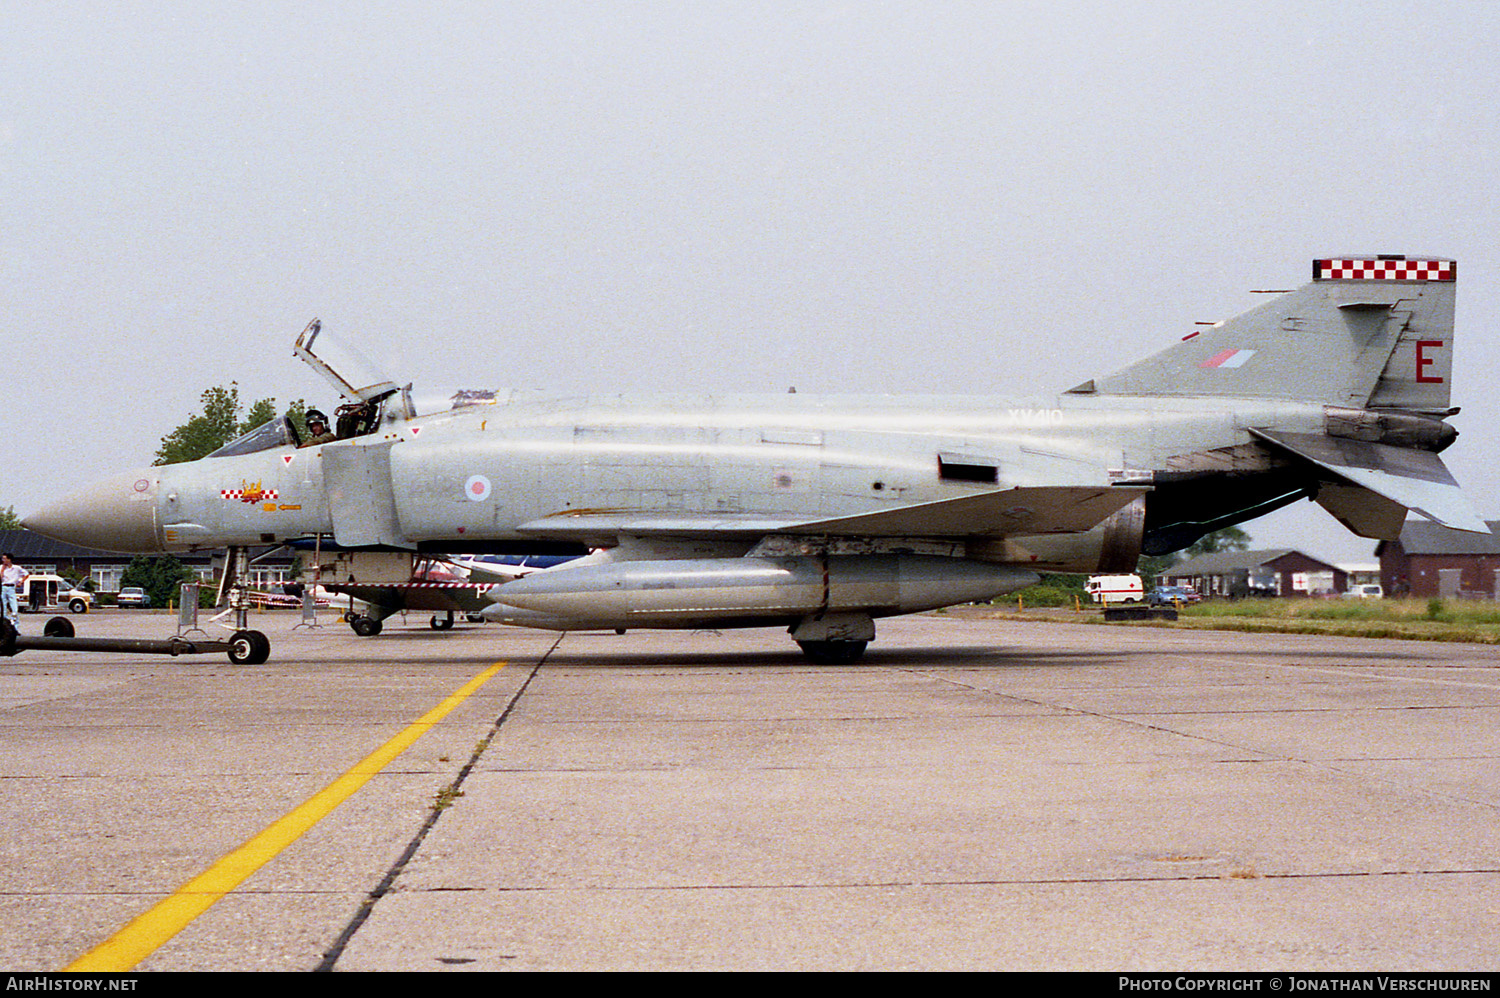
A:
316,416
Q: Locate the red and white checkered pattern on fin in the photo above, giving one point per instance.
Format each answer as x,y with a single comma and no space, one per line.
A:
1384,270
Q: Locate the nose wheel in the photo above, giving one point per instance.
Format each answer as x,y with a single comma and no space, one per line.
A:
245,647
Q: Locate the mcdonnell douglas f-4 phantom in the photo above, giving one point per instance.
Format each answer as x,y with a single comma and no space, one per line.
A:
821,513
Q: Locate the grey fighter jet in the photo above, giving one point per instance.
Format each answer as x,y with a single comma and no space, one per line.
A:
820,514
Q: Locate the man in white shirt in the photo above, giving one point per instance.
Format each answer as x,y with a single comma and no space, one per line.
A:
12,578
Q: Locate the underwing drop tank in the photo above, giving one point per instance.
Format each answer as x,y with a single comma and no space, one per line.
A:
747,592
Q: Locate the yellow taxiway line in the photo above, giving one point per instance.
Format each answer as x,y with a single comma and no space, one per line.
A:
141,937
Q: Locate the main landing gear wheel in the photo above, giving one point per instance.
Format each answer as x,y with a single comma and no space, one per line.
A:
366,627
249,648
58,627
832,652
441,623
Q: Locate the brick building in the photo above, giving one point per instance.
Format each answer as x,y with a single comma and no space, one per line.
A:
1432,561
1278,572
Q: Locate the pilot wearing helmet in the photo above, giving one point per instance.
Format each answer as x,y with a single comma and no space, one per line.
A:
317,429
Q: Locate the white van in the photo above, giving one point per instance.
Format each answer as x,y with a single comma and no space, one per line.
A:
1115,588
44,593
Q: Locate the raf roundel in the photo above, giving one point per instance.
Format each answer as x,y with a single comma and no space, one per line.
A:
477,488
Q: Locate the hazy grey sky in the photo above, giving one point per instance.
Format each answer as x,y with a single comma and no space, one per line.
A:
996,198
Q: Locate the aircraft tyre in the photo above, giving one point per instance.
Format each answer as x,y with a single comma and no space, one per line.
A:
366,627
832,652
241,648
7,637
249,648
58,627
78,606
441,623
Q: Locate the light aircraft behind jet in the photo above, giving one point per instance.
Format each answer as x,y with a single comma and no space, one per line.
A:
822,513
380,584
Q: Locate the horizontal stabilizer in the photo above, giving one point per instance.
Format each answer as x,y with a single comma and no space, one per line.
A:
1028,511
1415,479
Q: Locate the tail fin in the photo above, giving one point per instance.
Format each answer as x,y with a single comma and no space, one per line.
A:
1366,332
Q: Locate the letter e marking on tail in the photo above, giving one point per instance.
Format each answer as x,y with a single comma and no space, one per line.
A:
1424,361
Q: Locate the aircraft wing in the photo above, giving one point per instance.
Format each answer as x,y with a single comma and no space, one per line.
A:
1060,509
1019,511
1414,479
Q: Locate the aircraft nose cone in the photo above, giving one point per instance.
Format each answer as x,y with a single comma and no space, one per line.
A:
115,514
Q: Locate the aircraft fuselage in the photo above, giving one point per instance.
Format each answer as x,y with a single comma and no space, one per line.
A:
474,477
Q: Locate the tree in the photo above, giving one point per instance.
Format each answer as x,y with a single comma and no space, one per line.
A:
1228,539
218,424
296,411
160,577
261,412
9,520
1149,567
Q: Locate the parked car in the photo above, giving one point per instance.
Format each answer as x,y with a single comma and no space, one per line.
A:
133,596
1365,590
1172,595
